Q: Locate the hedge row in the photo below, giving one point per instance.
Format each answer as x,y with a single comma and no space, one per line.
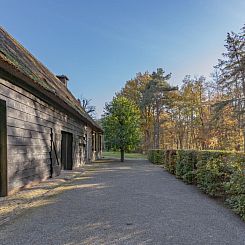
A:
217,173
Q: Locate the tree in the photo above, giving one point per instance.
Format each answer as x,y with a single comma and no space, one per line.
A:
232,66
231,76
155,95
149,92
86,105
121,124
201,114
134,91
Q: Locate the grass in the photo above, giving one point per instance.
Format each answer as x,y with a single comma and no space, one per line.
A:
115,154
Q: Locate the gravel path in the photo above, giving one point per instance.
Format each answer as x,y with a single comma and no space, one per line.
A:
130,203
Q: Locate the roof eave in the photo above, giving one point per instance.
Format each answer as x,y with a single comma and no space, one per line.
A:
51,96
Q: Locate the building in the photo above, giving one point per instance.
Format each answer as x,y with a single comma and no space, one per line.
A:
43,128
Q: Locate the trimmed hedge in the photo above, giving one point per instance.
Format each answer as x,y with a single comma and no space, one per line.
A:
186,165
217,173
170,160
156,156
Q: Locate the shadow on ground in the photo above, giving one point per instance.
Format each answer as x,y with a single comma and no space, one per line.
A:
133,202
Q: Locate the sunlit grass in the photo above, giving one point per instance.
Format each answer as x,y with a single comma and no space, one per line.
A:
115,154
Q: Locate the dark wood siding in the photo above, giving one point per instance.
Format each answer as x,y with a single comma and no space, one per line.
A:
3,149
66,151
29,124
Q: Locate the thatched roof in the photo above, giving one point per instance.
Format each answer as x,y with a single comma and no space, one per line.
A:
21,62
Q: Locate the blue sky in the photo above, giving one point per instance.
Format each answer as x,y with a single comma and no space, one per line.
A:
100,44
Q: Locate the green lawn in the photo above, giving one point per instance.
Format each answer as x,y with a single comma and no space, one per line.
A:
114,154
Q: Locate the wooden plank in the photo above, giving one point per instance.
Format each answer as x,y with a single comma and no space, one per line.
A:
20,90
19,181
54,116
31,149
18,123
3,149
28,172
12,140
21,101
17,158
29,117
21,95
29,163
18,170
19,132
45,116
29,123
55,124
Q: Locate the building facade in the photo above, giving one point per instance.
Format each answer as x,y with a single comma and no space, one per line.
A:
43,128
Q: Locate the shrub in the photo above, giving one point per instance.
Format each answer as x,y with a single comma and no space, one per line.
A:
150,155
170,161
217,173
214,170
235,188
186,165
237,204
156,156
236,184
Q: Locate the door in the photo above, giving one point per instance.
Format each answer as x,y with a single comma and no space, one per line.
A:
66,151
85,151
3,149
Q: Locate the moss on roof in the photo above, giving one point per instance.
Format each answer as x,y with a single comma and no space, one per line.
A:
21,59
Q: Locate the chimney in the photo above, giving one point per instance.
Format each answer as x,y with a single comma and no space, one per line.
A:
64,79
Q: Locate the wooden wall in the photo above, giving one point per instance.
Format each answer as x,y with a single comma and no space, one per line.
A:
96,144
3,149
89,144
29,124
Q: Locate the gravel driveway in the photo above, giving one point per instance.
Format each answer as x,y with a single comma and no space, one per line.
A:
130,203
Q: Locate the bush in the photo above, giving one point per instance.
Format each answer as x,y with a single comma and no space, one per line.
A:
214,170
236,185
170,161
237,204
235,189
151,155
186,165
156,156
217,173
210,175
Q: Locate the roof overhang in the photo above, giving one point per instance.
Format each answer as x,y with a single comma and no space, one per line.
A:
32,86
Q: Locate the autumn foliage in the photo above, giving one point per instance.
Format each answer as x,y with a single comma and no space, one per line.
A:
200,114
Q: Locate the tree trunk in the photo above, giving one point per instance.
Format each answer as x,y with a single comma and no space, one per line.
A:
243,140
122,155
157,128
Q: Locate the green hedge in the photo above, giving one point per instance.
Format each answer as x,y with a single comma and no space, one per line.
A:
214,170
156,156
170,160
217,173
186,165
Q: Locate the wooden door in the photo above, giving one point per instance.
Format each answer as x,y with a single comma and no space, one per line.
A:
3,149
66,151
